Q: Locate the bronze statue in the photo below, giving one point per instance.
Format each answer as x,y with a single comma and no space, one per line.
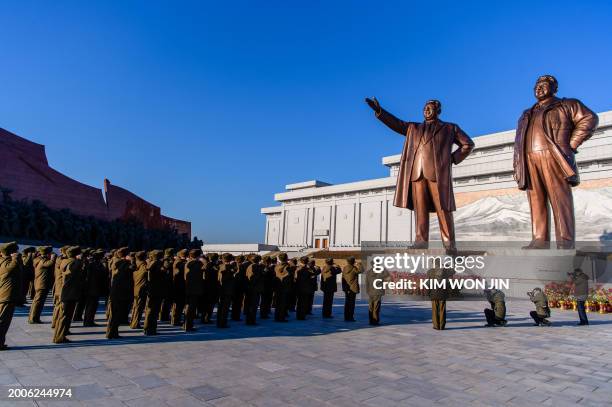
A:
547,138
424,182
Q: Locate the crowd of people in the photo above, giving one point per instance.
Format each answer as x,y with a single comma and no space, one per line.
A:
177,287
495,316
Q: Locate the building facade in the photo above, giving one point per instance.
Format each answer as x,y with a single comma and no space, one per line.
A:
315,214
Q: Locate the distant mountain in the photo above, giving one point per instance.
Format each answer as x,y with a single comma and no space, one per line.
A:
507,217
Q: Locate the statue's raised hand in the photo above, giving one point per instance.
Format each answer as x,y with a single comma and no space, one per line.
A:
373,103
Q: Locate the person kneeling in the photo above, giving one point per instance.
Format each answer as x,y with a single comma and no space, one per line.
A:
496,315
542,311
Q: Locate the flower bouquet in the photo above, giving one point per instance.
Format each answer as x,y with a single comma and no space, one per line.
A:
601,296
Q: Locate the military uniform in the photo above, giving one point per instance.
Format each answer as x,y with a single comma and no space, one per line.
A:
438,297
194,287
239,287
96,287
155,290
303,288
31,291
350,286
79,308
282,287
125,317
254,287
496,315
314,272
226,289
292,292
43,282
108,260
10,287
27,276
120,292
211,287
375,294
329,286
72,286
140,289
267,288
57,285
166,291
178,288
542,310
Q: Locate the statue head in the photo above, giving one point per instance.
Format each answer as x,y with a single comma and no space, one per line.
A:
545,87
432,109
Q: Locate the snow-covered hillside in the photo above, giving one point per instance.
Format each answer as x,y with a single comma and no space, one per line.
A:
507,217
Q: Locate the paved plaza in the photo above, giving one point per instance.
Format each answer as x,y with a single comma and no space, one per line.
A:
325,362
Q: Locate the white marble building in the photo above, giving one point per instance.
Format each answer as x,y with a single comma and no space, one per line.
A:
315,214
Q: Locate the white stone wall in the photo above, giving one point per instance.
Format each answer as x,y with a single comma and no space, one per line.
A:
273,230
322,220
296,226
344,233
345,222
400,224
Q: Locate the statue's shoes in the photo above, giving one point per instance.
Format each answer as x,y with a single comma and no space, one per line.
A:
537,245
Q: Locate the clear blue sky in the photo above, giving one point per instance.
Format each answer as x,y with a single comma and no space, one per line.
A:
208,108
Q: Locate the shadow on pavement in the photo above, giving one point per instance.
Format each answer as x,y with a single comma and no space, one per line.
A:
392,314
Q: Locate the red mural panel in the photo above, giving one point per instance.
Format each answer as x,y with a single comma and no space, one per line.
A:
24,170
181,226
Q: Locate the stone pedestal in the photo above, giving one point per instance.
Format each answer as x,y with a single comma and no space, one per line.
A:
527,269
522,269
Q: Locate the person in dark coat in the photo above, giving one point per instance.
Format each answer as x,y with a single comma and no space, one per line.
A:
211,287
120,291
329,285
303,287
268,288
315,271
282,287
239,287
166,297
194,287
254,287
178,287
581,292
227,270
79,308
292,293
97,287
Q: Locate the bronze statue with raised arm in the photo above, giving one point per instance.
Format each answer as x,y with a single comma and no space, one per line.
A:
424,181
547,138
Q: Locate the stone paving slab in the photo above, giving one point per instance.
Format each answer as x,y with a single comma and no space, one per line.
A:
317,362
